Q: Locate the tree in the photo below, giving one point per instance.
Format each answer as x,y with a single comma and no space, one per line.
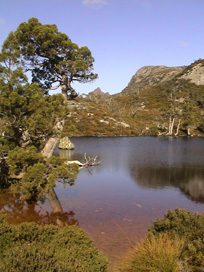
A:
28,119
27,115
31,120
49,55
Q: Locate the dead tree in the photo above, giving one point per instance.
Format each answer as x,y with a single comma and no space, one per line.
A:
89,161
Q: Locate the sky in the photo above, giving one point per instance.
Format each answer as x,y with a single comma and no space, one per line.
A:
123,35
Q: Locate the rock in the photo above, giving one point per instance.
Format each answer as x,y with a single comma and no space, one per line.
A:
123,124
103,121
195,75
149,76
98,94
65,143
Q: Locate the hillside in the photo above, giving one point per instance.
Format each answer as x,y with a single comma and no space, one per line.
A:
158,100
162,100
87,118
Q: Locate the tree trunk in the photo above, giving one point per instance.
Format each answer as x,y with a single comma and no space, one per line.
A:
50,147
177,130
64,86
171,126
53,141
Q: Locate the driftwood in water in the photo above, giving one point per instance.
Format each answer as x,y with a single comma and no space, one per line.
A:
88,162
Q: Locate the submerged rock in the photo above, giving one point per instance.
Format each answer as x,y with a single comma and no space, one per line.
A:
65,143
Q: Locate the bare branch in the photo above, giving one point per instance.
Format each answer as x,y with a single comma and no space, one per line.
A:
89,161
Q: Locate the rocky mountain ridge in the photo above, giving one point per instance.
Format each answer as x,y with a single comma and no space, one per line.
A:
161,100
149,76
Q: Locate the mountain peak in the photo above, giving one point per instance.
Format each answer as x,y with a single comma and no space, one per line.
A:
97,93
149,76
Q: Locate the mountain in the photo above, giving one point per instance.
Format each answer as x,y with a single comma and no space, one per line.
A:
98,92
97,95
158,100
162,100
149,76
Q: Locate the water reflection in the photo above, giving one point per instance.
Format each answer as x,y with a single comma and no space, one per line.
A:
58,216
138,180
63,153
153,163
18,211
190,180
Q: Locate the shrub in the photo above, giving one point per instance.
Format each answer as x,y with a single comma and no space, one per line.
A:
155,254
31,247
190,228
180,222
153,130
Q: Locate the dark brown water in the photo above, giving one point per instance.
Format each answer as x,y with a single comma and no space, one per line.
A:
138,180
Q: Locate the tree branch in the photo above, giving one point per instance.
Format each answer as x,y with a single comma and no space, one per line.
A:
88,162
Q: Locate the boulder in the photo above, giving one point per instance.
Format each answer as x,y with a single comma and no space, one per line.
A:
65,143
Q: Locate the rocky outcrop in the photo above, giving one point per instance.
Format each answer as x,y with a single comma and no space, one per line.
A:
65,143
195,74
97,94
149,76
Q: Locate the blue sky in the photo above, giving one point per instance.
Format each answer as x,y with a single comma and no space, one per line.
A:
123,35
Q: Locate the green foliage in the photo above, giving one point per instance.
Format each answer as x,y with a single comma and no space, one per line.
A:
20,159
39,174
190,228
31,247
28,118
155,254
179,222
153,130
48,54
27,115
175,243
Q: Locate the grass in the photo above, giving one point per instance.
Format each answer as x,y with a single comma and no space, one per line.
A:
154,254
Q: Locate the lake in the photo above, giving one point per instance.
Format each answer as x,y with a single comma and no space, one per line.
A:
137,181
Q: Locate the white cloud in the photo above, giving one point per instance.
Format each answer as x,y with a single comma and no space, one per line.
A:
95,3
183,44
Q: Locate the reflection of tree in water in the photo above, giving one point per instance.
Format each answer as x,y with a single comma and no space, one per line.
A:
189,179
17,211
